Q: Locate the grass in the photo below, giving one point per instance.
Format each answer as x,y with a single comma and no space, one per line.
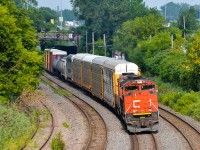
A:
57,143
61,92
65,124
15,127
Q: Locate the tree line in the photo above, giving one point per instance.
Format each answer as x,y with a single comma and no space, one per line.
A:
129,26
169,52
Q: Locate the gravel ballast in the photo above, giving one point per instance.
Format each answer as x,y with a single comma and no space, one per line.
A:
118,138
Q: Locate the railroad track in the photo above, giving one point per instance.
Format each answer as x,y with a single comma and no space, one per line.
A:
136,142
97,131
42,123
189,133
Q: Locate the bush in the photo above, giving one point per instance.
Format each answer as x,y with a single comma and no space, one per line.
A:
57,142
186,102
195,111
171,98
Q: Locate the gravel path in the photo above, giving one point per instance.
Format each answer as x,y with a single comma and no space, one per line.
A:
64,112
169,138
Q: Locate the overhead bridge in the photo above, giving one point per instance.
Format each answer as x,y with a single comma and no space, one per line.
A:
59,36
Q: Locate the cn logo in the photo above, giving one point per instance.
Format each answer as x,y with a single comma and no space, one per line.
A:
136,104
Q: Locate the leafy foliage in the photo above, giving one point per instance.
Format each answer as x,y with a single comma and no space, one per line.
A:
68,15
42,17
20,62
106,16
187,20
172,10
184,102
187,101
194,59
23,3
135,31
99,49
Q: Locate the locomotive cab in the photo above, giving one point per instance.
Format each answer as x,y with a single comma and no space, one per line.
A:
138,103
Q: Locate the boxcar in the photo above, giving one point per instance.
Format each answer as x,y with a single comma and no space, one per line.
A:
77,68
87,71
97,88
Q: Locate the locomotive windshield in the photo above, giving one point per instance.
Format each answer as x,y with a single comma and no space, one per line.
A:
131,88
148,87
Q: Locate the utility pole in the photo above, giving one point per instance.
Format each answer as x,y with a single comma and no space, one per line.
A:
86,44
93,43
61,16
184,26
104,44
27,4
165,12
104,41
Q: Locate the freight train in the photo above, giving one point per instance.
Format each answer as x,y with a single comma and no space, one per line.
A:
115,82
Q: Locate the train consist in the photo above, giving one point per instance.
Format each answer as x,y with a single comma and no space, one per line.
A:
116,82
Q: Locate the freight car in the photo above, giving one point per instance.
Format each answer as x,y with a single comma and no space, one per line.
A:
115,82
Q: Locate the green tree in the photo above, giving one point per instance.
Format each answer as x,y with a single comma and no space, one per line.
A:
23,3
194,57
134,31
187,21
106,16
20,62
68,15
172,10
99,49
42,18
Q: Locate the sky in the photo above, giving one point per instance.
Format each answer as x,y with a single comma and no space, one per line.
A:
54,3
159,3
150,3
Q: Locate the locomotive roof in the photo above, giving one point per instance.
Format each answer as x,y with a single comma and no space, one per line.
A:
129,78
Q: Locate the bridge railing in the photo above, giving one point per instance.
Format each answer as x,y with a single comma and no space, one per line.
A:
62,36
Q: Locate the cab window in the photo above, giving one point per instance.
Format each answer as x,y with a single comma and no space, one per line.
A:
148,87
131,88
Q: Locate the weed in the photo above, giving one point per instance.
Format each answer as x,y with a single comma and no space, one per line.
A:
61,92
57,142
65,125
